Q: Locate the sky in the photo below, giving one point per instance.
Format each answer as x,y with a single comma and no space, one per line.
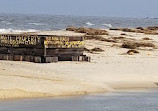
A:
112,8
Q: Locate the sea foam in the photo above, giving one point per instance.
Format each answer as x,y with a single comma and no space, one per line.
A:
107,25
38,24
89,24
12,30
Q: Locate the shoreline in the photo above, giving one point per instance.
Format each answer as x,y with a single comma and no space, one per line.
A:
129,90
111,69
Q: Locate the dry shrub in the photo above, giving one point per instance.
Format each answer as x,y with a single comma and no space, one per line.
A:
123,34
146,38
118,38
88,50
150,32
143,44
115,29
129,45
140,28
130,52
95,37
152,28
96,49
132,30
81,30
127,30
70,29
115,45
134,45
109,40
156,83
92,31
88,31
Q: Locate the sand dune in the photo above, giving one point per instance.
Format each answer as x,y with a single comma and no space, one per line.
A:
110,70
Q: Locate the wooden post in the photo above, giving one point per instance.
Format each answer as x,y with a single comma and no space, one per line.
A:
51,59
37,59
5,56
10,57
1,56
75,58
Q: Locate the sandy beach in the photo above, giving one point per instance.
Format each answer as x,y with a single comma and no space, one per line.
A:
109,70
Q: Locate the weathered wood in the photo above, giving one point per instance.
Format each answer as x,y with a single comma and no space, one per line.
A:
29,58
18,58
51,59
42,47
25,51
69,51
88,59
81,58
1,56
5,56
75,58
37,60
10,57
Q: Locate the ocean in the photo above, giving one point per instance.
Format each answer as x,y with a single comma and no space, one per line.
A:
30,22
118,101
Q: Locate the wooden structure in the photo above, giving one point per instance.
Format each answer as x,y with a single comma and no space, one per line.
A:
42,47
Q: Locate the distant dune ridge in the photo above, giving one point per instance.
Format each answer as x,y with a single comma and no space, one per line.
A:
120,60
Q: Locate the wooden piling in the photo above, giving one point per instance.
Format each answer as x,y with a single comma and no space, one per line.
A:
37,59
18,58
51,59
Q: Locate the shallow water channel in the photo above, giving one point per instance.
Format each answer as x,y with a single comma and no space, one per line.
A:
117,101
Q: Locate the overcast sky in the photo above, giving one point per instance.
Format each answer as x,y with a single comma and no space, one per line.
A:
125,8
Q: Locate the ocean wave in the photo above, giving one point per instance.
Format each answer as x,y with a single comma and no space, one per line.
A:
107,25
12,30
38,24
154,18
90,24
3,21
6,22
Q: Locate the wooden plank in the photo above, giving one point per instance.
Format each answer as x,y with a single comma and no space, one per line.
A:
81,58
37,59
24,51
75,58
5,56
3,50
1,56
53,52
51,59
29,58
10,57
18,58
88,59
